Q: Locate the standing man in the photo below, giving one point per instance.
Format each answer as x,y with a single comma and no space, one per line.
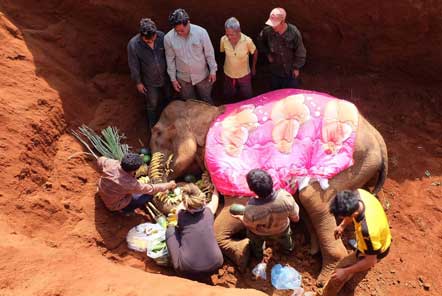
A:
268,214
282,43
147,64
190,58
237,47
372,235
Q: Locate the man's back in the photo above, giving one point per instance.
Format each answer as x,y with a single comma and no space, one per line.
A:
270,216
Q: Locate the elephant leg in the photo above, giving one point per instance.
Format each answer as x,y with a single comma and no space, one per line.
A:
314,243
226,228
315,201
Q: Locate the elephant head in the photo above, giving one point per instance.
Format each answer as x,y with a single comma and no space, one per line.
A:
182,130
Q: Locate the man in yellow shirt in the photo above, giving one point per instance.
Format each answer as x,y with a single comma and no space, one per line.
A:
372,233
237,47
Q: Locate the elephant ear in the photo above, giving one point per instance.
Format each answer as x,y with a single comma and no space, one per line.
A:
202,120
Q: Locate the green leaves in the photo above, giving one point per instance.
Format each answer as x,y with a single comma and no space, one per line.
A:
108,145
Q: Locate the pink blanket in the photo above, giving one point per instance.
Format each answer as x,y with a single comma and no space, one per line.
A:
297,136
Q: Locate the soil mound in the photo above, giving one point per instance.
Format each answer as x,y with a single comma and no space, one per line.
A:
63,63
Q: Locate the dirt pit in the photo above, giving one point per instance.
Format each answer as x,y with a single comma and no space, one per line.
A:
63,63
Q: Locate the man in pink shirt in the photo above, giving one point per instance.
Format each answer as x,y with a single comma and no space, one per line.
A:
118,187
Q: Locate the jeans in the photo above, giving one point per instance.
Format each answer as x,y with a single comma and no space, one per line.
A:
157,99
238,88
278,82
137,202
284,239
204,89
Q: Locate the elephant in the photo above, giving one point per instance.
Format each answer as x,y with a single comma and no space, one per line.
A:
182,130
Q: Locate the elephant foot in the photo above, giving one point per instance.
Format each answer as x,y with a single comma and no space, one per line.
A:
326,271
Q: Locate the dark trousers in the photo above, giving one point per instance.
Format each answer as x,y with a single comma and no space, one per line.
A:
278,82
203,88
137,203
238,88
157,99
284,239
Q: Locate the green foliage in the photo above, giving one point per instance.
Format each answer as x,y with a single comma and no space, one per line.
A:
108,144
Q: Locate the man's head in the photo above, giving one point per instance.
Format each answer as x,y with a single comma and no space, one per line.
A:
131,162
260,182
233,29
277,19
179,20
345,204
148,30
194,199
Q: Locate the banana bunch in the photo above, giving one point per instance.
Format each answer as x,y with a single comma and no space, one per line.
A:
142,171
156,168
144,180
166,201
206,186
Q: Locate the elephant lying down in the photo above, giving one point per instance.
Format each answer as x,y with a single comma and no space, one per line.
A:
182,130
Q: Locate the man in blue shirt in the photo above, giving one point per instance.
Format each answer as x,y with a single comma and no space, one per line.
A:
147,64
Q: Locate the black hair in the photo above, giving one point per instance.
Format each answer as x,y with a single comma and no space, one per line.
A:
345,203
260,182
178,17
148,28
131,162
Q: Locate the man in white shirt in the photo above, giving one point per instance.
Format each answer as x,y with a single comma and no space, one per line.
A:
190,58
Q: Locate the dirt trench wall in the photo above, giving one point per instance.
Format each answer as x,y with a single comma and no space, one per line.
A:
398,36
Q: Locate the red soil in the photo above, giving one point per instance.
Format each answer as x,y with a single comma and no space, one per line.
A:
63,63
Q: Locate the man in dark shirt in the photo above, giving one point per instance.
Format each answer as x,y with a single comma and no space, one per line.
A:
282,43
147,63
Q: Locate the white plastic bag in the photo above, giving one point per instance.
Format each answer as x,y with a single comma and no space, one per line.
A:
140,236
285,277
259,271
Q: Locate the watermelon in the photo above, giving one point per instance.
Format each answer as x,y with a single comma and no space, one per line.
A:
189,178
145,151
146,158
237,209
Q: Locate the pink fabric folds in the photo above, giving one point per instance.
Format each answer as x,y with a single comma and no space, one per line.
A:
295,135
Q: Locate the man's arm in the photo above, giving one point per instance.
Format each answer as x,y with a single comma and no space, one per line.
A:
263,45
364,264
170,58
209,53
151,189
341,227
294,215
134,63
213,204
300,52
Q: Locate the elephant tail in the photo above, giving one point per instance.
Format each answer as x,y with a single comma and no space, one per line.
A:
384,166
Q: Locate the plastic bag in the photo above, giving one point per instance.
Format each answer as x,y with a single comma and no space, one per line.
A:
141,235
260,271
285,277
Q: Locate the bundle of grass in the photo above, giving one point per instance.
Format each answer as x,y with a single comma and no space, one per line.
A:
108,145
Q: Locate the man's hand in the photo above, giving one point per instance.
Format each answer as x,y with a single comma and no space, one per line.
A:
172,185
340,274
239,217
176,86
141,88
270,58
295,73
338,232
212,78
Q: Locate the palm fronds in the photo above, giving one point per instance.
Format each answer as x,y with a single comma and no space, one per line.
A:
108,145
